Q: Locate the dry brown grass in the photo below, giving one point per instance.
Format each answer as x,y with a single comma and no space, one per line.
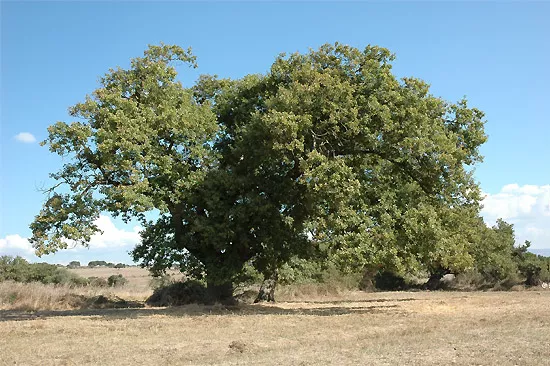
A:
139,279
36,296
422,328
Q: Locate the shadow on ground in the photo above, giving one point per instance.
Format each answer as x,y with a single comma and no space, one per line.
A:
134,312
336,302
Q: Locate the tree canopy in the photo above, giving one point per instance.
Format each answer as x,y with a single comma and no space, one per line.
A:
327,154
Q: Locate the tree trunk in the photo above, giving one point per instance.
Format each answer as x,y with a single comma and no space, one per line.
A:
367,282
434,282
267,290
220,293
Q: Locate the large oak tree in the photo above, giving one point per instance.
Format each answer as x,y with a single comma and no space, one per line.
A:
328,154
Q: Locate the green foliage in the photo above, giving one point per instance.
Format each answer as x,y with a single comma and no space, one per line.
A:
300,271
19,270
248,276
120,265
498,262
73,264
534,268
97,281
117,280
80,281
92,264
161,281
327,156
494,254
351,156
179,293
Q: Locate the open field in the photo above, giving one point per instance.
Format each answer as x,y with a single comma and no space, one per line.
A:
37,296
139,279
423,328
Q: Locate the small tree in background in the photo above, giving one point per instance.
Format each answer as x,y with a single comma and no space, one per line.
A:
73,264
116,280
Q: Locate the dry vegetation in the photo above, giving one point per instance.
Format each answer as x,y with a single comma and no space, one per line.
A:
139,280
463,328
36,296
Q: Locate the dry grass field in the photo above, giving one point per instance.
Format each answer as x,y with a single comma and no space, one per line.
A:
139,280
400,328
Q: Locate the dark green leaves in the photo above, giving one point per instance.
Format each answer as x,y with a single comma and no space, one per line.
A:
327,154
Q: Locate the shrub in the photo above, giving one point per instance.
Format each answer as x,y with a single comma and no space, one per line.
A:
342,280
532,272
508,282
534,269
179,293
248,276
80,281
161,281
298,271
73,264
19,270
97,282
116,280
120,265
389,281
97,263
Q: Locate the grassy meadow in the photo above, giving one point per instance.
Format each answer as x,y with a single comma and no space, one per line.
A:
303,328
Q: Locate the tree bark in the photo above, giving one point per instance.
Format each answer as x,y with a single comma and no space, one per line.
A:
267,290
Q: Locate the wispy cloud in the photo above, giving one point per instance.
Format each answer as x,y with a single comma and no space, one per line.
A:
25,137
527,207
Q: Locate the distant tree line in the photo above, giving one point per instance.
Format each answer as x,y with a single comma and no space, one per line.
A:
20,270
92,264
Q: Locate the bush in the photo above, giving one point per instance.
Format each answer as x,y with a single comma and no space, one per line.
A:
332,276
97,282
535,269
161,281
97,264
73,264
179,293
19,270
508,282
248,276
120,265
116,280
532,272
298,271
469,280
80,281
389,281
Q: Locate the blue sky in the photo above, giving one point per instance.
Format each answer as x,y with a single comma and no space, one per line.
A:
497,54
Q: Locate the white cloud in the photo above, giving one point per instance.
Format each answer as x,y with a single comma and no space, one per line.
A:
112,236
25,137
15,245
113,242
527,207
